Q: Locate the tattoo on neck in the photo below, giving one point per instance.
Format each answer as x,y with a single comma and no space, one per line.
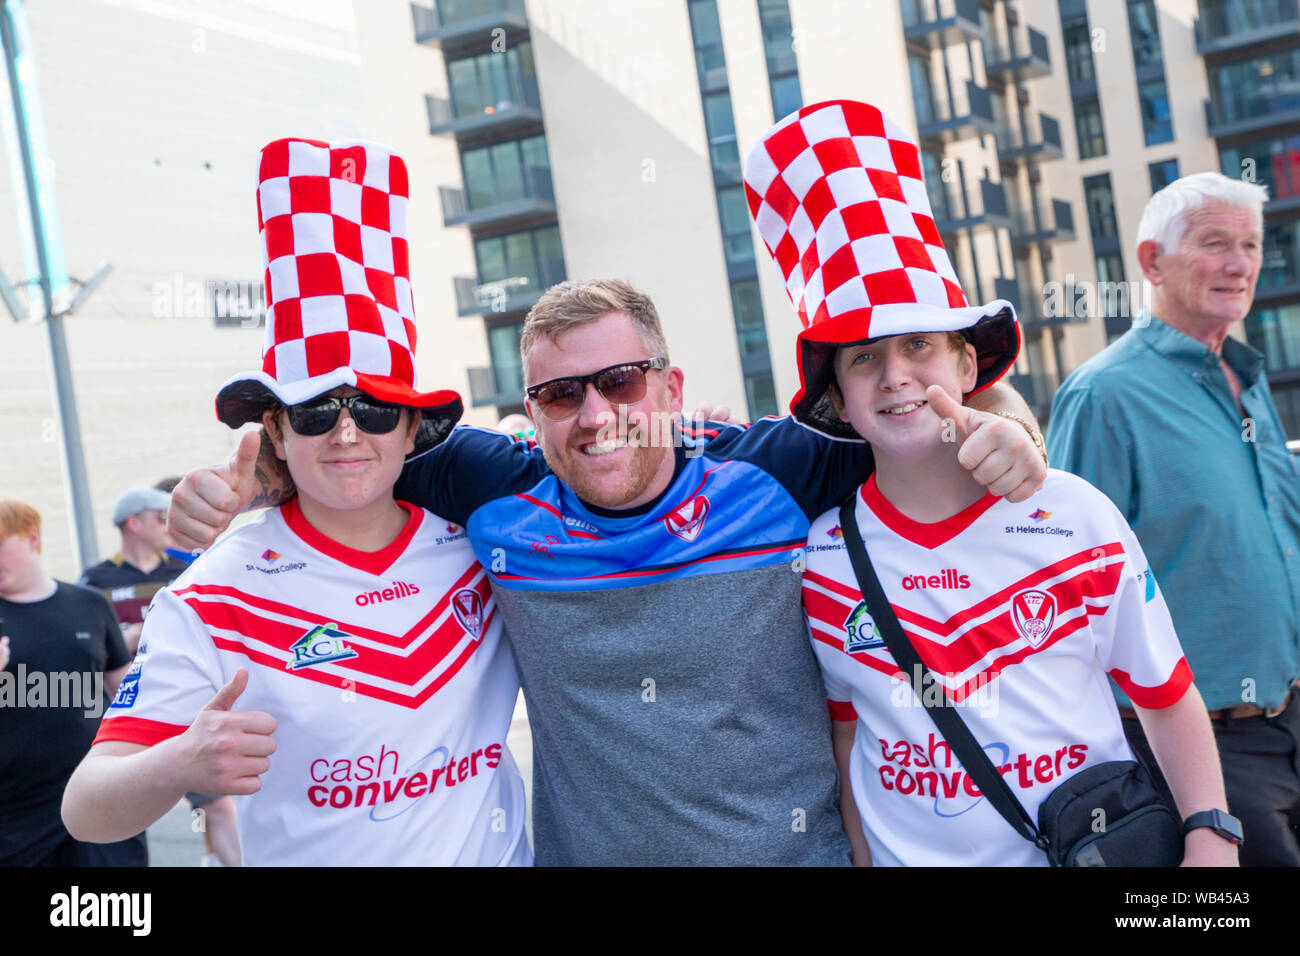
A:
274,485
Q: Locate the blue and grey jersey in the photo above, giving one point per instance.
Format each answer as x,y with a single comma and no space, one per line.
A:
677,713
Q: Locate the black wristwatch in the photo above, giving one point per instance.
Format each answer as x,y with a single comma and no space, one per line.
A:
1220,821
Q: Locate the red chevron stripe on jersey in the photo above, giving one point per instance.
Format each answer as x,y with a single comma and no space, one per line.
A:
967,650
428,648
403,669
347,683
472,576
1108,558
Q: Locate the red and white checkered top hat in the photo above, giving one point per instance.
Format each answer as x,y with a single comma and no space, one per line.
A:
836,191
332,219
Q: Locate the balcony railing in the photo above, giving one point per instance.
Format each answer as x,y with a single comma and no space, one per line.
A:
496,385
938,23
522,203
487,108
1025,56
512,294
454,25
986,205
1054,226
1231,24
1254,111
1039,140
970,114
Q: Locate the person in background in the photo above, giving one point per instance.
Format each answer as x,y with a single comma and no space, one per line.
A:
63,643
1174,421
141,568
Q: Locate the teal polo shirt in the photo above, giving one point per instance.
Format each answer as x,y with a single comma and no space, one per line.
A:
1211,492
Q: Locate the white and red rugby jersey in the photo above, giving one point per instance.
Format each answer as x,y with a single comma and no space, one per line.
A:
391,688
1020,610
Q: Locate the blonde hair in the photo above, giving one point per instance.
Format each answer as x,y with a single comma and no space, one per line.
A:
18,517
570,304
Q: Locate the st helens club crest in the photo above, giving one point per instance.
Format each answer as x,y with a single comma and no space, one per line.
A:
468,608
688,520
1034,613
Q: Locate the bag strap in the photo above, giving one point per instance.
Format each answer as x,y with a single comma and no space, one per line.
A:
954,730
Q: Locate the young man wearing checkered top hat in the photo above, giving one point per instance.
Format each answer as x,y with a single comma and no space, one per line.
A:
337,663
1039,600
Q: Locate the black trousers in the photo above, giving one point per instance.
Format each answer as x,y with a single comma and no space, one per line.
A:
1261,772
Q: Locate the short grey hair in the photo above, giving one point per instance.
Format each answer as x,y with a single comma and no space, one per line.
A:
1164,219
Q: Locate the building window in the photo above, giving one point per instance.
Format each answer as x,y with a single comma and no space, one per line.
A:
749,316
932,171
530,258
786,96
1276,333
734,214
1281,254
1256,87
490,82
720,125
1274,163
1088,128
1078,49
710,62
1162,174
507,172
1100,201
1110,267
778,45
1145,32
503,346
918,69
1156,121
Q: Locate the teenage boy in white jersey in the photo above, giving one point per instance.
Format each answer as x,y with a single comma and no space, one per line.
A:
356,635
1025,607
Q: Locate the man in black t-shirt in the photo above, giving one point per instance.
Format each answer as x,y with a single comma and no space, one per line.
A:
65,660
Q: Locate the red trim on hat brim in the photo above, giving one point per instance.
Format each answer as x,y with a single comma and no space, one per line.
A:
397,393
816,373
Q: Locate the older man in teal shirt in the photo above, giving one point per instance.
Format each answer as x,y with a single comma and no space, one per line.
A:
1176,424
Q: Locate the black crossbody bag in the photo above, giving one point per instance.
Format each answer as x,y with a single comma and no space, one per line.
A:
1107,815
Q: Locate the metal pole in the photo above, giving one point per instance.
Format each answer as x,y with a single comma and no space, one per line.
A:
74,460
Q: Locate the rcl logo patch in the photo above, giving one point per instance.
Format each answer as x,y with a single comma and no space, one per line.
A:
468,608
1034,613
688,521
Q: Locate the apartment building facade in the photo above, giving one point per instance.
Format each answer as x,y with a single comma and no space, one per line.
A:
583,138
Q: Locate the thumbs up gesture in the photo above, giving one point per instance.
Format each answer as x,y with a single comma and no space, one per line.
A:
225,750
207,500
997,452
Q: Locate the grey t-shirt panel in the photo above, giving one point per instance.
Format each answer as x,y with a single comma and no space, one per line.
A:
690,726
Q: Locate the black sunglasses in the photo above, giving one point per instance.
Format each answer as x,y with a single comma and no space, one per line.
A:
624,384
320,415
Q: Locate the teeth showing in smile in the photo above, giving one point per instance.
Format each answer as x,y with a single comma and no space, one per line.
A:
603,447
903,409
